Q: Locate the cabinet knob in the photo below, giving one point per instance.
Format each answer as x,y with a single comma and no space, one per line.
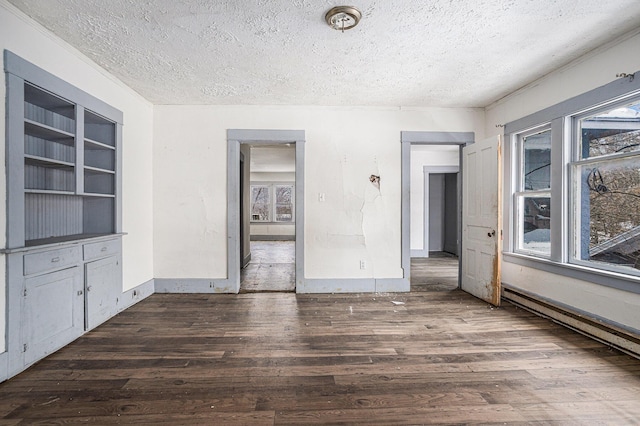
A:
88,288
55,259
103,249
79,292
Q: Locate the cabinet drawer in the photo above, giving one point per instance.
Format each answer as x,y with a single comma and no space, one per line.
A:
51,260
101,249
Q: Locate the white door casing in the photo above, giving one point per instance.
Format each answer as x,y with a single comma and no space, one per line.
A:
481,216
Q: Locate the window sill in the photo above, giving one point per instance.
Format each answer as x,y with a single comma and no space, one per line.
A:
271,223
597,276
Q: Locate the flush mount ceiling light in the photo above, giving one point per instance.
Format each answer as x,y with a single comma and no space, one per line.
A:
343,17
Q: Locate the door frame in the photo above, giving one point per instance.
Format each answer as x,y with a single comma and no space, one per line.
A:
244,258
428,170
408,138
235,137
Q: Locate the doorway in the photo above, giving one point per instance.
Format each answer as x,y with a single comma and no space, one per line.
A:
416,253
440,211
270,212
240,141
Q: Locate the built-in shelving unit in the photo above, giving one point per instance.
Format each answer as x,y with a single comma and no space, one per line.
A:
69,169
63,247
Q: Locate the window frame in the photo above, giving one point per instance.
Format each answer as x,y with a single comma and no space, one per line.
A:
577,161
562,118
276,203
521,192
273,218
252,203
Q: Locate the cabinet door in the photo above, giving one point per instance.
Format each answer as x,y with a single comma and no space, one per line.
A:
52,312
102,288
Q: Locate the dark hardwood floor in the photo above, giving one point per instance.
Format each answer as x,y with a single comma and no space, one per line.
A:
432,356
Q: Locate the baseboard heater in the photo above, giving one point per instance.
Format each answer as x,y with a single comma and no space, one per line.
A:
609,334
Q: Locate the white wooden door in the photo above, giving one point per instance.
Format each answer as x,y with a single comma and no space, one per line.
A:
481,207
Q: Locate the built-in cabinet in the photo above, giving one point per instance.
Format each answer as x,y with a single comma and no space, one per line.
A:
102,282
69,169
64,248
52,313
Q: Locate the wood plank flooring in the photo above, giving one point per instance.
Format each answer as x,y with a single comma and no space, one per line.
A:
438,357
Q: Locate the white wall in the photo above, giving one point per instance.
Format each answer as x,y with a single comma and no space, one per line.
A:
426,155
344,146
273,176
591,71
272,229
27,39
586,73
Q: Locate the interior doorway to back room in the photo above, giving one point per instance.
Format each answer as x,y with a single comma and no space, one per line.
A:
268,213
435,217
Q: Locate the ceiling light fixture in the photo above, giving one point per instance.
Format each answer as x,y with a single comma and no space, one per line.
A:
343,17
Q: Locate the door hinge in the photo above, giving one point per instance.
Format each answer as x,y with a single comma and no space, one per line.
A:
24,293
24,347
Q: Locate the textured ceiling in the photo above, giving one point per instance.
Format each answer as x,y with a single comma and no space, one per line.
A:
403,53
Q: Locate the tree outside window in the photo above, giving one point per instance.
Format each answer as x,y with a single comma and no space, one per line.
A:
260,203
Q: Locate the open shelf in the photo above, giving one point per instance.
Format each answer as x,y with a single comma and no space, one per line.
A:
89,194
62,239
99,157
41,106
50,192
43,131
35,160
98,169
99,181
55,150
98,145
99,129
66,181
48,176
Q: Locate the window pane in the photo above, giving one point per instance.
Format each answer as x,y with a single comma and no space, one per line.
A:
284,213
615,131
537,161
609,212
260,203
283,194
535,221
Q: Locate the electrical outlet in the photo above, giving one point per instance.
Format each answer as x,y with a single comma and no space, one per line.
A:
363,264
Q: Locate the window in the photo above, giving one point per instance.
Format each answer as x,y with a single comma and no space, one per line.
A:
606,187
272,203
533,199
581,157
284,203
261,203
